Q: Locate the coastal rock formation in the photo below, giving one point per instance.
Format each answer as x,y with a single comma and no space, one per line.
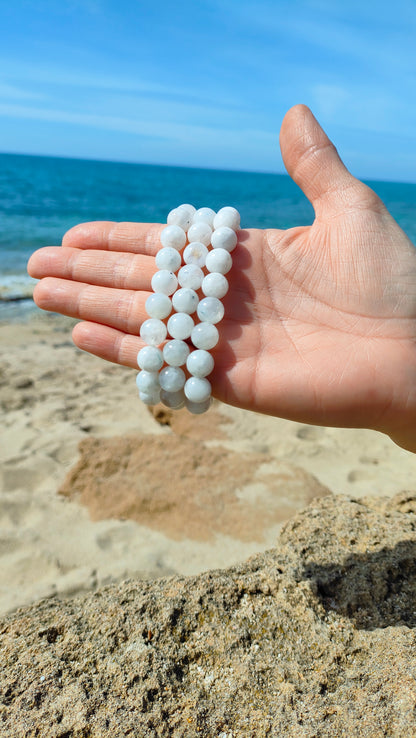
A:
313,638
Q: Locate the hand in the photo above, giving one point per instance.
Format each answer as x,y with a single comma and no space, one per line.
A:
320,321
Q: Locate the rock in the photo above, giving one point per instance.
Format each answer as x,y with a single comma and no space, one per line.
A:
313,638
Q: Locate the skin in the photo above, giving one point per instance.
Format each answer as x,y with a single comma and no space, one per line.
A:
320,321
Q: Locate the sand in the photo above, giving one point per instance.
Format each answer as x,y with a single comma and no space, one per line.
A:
95,488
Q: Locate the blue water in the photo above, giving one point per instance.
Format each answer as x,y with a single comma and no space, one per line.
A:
41,197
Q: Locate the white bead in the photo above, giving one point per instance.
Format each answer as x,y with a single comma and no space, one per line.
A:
172,378
180,326
227,216
176,352
150,398
197,408
190,276
204,215
200,232
174,400
219,260
168,258
165,282
150,358
200,363
195,253
148,381
197,390
158,305
185,300
181,217
205,336
224,238
173,236
210,310
186,206
214,285
153,332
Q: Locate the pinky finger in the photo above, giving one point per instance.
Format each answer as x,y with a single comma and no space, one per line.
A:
107,343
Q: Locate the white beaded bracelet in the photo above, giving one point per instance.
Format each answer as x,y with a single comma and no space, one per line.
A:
206,240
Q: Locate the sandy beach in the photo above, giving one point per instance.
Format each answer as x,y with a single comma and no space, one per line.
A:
97,488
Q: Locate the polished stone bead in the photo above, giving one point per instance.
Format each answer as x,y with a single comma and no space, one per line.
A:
210,310
176,352
200,232
148,381
190,276
150,358
195,253
181,217
197,390
158,305
165,282
229,217
173,400
204,215
224,238
172,378
153,332
173,236
197,408
205,336
150,398
180,326
169,259
185,300
219,260
200,363
215,285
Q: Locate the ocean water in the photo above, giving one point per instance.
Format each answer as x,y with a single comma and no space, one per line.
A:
42,197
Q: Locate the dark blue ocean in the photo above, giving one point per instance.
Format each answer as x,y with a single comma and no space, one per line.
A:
41,197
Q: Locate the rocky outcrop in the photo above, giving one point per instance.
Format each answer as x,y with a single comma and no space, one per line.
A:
314,638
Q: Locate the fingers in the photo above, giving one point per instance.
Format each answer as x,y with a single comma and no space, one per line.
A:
105,268
107,343
313,162
121,309
137,238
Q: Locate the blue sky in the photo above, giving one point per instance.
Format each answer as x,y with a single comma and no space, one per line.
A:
207,83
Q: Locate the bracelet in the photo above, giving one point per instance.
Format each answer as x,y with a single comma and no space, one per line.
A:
187,291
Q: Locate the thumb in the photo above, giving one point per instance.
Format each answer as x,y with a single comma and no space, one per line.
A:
313,162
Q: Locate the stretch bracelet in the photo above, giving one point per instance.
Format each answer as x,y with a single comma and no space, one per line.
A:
185,307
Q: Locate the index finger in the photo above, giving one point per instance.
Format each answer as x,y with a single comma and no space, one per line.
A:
136,238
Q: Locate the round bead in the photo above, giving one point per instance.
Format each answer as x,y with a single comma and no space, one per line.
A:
190,276
197,390
224,238
186,206
181,217
174,400
153,331
210,310
158,305
168,258
175,352
195,253
150,358
200,232
150,398
185,300
200,363
148,381
219,260
204,215
227,216
173,236
205,336
180,326
165,282
172,378
197,408
214,285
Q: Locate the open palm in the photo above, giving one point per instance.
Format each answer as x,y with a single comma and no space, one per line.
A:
320,321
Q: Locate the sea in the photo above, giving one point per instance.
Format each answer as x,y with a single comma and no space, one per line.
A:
42,197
